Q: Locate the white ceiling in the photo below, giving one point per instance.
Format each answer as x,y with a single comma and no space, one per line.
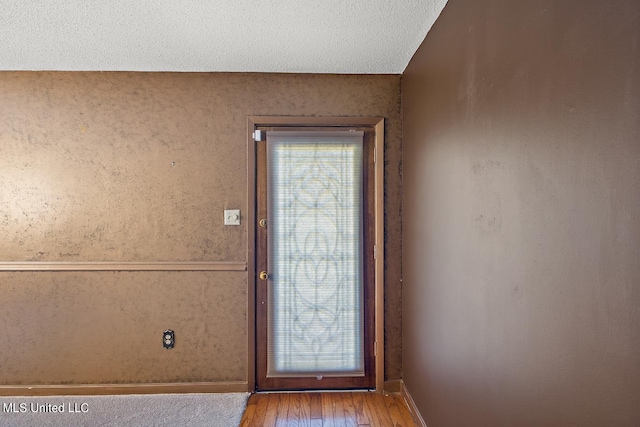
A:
294,36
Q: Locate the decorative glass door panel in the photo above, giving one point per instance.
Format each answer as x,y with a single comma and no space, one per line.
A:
315,323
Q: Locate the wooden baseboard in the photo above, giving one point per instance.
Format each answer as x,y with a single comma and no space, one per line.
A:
105,389
417,418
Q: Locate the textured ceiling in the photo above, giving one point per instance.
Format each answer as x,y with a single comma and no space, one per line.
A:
295,36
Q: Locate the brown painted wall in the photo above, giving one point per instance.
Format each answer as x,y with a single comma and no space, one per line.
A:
521,215
139,167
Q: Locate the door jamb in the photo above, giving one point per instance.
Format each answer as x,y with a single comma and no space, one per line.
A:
378,124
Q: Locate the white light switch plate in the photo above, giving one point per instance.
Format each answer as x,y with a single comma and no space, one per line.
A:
232,217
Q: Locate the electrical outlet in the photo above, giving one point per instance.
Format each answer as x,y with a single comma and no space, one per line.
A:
168,339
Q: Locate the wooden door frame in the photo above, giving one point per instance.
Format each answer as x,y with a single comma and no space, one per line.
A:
377,123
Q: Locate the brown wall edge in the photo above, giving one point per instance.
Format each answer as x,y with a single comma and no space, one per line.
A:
393,386
123,266
119,389
415,414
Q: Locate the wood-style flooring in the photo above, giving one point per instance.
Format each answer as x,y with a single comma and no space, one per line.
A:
327,409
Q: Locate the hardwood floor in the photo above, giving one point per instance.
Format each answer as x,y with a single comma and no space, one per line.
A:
327,409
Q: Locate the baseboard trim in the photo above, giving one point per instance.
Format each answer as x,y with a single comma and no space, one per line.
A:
415,414
113,389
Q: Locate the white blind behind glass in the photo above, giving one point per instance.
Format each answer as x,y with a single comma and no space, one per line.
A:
315,314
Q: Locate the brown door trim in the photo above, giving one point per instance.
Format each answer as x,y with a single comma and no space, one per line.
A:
377,124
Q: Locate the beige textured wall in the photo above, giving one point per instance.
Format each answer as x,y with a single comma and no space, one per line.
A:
139,167
106,327
521,218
